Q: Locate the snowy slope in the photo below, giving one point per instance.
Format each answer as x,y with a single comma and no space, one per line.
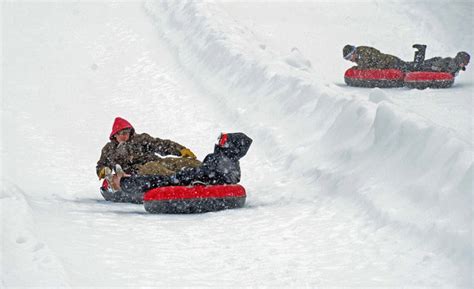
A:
347,187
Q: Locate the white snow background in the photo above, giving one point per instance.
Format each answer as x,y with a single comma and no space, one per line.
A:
347,187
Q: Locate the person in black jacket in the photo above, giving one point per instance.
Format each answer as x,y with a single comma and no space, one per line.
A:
220,167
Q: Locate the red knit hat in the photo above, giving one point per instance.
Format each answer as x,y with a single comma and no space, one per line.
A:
120,124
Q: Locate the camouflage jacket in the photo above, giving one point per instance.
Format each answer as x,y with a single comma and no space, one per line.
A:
138,150
371,58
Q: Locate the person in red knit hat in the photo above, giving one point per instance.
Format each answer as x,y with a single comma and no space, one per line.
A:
141,154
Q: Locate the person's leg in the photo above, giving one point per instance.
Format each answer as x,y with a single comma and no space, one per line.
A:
419,55
167,166
176,164
155,168
404,66
427,65
139,184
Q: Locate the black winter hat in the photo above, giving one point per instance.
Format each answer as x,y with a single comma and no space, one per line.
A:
348,50
233,145
462,57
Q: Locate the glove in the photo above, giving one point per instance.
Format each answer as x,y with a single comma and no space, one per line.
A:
187,153
104,171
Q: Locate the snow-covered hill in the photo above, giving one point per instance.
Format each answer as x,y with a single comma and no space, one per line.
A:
346,187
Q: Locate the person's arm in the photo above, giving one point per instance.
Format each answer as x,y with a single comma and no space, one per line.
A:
105,159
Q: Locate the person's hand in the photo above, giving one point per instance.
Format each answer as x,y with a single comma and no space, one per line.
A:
103,172
187,153
115,183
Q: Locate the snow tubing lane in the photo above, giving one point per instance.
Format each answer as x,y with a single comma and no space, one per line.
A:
119,196
428,79
383,78
194,199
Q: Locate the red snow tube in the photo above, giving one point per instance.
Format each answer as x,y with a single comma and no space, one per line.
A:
374,77
425,79
194,199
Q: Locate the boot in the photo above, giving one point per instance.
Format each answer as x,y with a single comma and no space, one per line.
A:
419,55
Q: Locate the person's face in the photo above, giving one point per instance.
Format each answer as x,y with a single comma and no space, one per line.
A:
353,57
123,135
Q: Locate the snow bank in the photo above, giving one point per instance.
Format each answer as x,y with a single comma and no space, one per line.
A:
26,260
399,168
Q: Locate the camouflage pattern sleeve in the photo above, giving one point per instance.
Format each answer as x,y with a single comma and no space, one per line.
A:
105,157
